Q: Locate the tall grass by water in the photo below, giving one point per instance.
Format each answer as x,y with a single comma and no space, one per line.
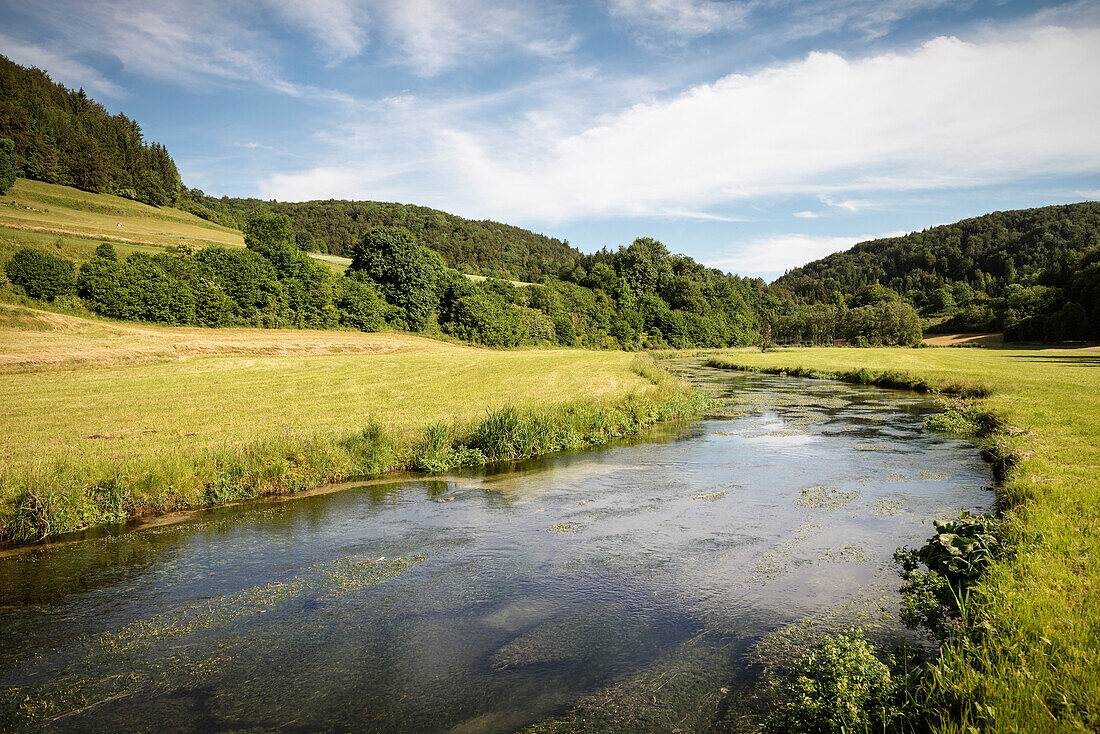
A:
1025,658
361,415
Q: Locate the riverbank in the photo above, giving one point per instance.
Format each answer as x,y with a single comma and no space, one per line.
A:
177,422
1027,660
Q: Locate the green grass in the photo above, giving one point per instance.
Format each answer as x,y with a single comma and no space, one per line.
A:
1029,661
34,204
106,421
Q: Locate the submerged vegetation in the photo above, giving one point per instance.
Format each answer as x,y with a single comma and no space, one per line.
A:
1013,599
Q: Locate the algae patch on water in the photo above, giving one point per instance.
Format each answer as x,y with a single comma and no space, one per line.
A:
572,638
847,554
826,498
779,560
328,580
710,497
563,527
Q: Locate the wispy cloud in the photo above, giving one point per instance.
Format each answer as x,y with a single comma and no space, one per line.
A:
339,27
435,35
192,44
701,216
807,215
848,205
205,42
681,19
62,69
662,21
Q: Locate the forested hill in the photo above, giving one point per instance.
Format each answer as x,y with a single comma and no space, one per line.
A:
1012,270
63,136
334,227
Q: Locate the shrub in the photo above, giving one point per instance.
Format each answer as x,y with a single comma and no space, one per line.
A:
41,275
955,556
486,319
359,304
840,688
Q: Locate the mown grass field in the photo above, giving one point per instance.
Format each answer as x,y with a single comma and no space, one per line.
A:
104,420
238,385
1032,660
46,212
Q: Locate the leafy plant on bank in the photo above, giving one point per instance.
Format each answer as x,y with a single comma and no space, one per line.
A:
934,597
841,687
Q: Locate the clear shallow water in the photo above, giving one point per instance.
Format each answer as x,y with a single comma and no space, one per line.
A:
631,582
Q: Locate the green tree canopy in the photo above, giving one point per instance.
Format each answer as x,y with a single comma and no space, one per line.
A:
272,236
407,275
7,165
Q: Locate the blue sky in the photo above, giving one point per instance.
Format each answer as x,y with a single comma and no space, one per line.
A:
753,135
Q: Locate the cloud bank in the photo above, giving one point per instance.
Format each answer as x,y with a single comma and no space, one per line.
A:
949,113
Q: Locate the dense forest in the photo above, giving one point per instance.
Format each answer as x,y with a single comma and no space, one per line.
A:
1035,273
63,136
636,297
335,227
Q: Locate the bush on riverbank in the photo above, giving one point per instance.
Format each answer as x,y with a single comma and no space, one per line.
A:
841,687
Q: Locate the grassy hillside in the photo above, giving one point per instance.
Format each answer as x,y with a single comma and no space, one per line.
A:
105,421
70,223
1028,659
42,211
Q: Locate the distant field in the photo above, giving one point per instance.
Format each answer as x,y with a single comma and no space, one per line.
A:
982,339
1035,667
33,339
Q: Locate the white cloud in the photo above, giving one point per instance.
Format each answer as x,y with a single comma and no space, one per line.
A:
338,26
807,215
949,113
777,254
680,18
67,71
848,205
435,35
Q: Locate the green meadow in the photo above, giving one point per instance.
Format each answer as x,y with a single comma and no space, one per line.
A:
108,421
1028,658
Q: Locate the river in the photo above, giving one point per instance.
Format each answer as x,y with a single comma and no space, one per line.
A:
651,585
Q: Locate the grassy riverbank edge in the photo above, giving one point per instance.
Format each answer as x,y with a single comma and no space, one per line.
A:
56,496
1024,656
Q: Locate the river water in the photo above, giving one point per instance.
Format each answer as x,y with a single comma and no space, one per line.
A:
646,586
